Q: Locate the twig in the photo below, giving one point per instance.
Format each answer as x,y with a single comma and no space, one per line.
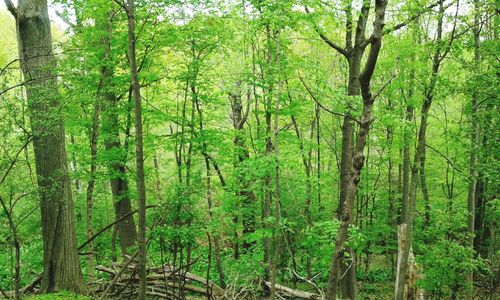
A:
26,143
445,157
323,107
109,226
117,276
393,75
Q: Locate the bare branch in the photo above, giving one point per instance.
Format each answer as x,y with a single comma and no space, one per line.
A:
410,19
332,44
327,40
323,107
26,143
445,157
393,75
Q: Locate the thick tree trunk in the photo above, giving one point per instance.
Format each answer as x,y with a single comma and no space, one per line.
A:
61,266
141,185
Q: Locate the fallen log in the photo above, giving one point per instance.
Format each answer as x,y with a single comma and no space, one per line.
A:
291,293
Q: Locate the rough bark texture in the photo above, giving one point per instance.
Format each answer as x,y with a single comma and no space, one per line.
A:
61,266
244,191
358,158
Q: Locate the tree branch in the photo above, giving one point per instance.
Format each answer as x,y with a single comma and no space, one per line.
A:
445,157
11,7
393,75
327,40
321,105
411,19
110,225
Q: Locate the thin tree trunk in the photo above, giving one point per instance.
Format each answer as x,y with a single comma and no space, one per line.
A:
61,266
409,214
218,260
277,186
126,229
475,141
17,248
425,191
268,195
405,177
94,134
141,185
74,165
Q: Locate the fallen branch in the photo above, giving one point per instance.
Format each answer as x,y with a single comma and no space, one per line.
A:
289,292
109,226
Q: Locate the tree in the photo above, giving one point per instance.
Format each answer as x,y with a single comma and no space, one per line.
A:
475,142
139,148
61,269
353,158
418,166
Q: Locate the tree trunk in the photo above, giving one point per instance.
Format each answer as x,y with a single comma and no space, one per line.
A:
141,185
358,158
409,214
218,260
61,266
244,192
425,191
126,229
405,177
94,134
475,141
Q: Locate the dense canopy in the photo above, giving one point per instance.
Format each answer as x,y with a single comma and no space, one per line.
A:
249,149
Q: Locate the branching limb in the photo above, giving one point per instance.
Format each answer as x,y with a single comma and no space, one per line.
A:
393,75
322,106
11,7
325,39
410,19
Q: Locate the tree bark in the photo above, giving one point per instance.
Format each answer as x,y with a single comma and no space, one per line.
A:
141,185
94,134
244,192
358,158
126,229
409,215
61,266
475,141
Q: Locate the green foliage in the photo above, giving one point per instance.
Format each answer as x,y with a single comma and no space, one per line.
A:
199,60
58,296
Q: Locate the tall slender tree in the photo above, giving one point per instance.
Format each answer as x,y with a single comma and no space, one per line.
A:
475,142
359,81
139,148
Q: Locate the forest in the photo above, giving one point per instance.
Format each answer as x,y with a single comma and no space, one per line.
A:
249,149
